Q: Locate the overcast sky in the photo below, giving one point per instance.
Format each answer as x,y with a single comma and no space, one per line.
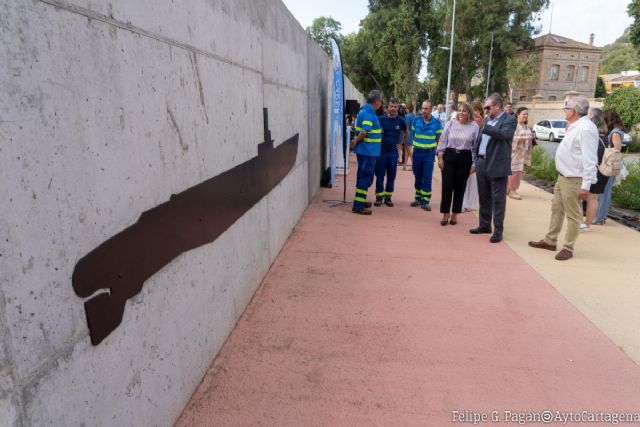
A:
571,18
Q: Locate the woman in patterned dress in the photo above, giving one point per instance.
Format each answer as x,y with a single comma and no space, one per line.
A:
520,152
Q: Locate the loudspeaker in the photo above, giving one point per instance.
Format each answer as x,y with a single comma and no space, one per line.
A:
352,107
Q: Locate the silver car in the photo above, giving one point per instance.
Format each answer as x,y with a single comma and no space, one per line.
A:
552,130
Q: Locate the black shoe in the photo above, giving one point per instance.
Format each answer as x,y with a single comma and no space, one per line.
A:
378,202
361,211
444,222
453,222
416,203
367,204
480,230
388,202
495,238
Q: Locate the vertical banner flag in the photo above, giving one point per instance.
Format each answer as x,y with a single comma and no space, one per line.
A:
337,112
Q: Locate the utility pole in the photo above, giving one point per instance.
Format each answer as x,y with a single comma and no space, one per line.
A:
486,93
453,26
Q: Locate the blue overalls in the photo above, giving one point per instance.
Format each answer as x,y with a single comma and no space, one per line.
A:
366,151
387,163
425,141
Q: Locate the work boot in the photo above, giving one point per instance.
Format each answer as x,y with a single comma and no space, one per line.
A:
416,203
378,201
388,202
426,207
361,211
367,204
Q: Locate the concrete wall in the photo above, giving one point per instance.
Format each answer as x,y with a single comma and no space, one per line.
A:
107,110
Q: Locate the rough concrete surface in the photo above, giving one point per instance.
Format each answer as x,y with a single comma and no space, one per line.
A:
109,108
395,320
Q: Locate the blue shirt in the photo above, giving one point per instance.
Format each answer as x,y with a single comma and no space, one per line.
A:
409,118
391,132
426,135
368,120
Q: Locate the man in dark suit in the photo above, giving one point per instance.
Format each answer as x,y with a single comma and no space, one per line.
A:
493,166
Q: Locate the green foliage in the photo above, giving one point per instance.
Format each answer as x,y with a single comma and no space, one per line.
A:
634,147
386,53
627,194
324,28
601,91
625,102
512,22
634,34
543,166
619,55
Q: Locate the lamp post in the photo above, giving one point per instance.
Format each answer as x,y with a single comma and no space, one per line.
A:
486,93
453,26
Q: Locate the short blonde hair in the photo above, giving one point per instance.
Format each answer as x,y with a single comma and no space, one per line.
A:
467,108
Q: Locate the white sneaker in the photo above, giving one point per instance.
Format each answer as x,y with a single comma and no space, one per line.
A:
585,228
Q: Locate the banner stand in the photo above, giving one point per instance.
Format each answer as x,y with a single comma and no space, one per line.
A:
337,124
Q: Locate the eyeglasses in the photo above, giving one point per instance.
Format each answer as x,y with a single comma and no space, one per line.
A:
488,107
567,109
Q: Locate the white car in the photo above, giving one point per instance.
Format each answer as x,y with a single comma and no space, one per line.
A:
552,130
626,141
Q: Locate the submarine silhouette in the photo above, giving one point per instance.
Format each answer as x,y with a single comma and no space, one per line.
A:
192,218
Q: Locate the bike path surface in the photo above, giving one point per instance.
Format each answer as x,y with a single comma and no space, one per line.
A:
394,319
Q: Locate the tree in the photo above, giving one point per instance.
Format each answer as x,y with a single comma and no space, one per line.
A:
387,50
324,28
625,102
512,23
601,90
634,34
619,55
520,71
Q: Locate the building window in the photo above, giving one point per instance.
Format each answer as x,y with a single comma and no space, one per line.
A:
555,71
570,71
584,73
523,97
552,98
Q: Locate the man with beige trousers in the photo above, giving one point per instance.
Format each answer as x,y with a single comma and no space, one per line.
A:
576,163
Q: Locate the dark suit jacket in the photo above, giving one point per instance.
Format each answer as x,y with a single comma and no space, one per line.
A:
498,157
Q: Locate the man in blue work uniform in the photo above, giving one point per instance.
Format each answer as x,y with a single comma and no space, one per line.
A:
394,133
426,132
367,147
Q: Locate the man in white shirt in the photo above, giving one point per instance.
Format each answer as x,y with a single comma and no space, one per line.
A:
576,163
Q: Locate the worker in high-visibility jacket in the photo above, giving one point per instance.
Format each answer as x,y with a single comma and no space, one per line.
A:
426,132
394,135
367,147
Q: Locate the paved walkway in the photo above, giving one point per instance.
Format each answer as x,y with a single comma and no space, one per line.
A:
395,320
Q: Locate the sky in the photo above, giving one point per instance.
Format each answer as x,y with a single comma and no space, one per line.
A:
571,18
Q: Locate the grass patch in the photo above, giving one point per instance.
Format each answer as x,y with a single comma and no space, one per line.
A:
627,194
543,166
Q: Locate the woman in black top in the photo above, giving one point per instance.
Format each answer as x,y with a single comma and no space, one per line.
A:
595,114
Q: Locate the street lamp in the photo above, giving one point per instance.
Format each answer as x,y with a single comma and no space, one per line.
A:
453,26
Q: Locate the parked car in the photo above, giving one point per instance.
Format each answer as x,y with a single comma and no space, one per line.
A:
626,141
552,130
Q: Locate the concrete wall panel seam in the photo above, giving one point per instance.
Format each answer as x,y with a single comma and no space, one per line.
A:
141,31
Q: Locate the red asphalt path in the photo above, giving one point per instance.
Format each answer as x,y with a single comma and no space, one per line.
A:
393,319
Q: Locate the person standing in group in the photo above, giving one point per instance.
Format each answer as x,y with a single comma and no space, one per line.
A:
455,161
576,159
493,166
440,114
471,200
595,114
520,152
614,139
367,147
394,134
426,132
407,148
508,108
